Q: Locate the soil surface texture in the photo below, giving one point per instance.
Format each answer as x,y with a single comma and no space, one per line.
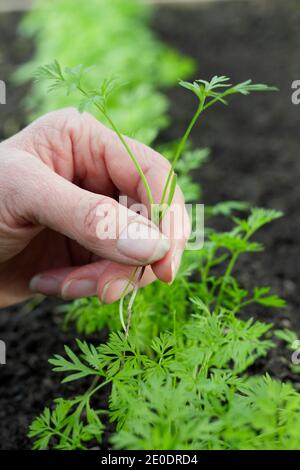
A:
255,145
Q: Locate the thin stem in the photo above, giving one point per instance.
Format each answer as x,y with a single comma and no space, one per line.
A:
205,272
218,98
226,276
55,432
94,382
228,92
126,146
91,393
121,311
179,151
133,158
150,200
231,266
242,305
181,146
131,301
124,293
187,286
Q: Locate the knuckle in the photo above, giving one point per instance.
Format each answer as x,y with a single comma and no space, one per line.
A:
63,121
61,115
15,171
155,159
90,212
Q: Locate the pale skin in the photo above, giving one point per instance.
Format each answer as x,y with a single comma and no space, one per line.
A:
56,175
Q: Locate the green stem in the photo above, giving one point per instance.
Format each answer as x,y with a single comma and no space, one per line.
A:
230,267
132,299
181,146
55,432
242,305
205,272
214,100
150,201
99,386
133,158
187,287
228,272
131,281
126,146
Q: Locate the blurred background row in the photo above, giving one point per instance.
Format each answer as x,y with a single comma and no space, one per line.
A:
254,142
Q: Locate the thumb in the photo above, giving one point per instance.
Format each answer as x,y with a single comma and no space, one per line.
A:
96,222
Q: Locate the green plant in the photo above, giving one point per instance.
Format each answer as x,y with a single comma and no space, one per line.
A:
208,93
179,379
112,36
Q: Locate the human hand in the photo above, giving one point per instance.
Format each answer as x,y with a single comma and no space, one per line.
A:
57,177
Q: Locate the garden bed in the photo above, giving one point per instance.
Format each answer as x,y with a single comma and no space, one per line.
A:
255,145
254,142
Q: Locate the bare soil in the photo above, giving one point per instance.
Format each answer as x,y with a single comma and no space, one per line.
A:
255,146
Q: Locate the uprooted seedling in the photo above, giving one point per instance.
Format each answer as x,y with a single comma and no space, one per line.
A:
208,93
178,378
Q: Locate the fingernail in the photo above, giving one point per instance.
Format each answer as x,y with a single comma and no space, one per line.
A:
45,285
175,264
143,243
113,290
77,288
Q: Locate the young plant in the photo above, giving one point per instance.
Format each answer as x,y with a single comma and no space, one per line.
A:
208,93
178,379
127,47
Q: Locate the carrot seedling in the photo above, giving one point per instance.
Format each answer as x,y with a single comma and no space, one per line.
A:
207,92
179,378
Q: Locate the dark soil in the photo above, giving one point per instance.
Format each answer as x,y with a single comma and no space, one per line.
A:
255,141
255,145
13,52
32,333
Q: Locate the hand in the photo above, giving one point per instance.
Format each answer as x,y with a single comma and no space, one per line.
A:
58,178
